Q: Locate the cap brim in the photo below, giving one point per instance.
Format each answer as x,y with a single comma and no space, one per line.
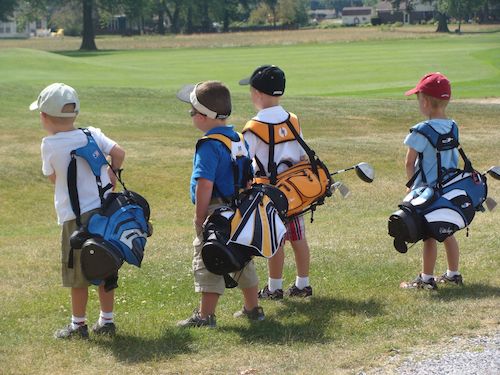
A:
245,81
184,93
412,91
34,105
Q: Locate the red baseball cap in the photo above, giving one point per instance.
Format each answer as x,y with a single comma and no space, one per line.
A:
433,84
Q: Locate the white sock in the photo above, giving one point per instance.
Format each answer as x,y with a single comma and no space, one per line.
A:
274,284
452,273
426,277
77,321
105,317
301,282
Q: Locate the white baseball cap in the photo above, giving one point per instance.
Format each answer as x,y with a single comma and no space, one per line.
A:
54,97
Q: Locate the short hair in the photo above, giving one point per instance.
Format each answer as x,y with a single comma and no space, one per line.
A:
435,102
215,96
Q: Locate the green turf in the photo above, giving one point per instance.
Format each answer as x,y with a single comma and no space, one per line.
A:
349,98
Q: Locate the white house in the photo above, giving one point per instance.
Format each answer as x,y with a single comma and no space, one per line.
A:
356,15
10,29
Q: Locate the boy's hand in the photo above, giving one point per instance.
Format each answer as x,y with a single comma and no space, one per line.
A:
112,177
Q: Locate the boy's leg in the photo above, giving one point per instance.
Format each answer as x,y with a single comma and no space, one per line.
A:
208,304
248,282
429,257
105,325
302,257
79,298
452,275
250,297
426,279
452,253
274,287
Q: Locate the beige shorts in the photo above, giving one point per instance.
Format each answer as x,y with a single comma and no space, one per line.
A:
208,282
72,277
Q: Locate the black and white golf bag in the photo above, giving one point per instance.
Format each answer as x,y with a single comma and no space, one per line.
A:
253,225
438,212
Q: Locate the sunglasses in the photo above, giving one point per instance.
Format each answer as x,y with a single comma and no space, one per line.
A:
193,112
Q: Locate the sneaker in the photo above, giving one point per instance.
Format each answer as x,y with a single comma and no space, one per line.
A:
293,291
267,294
106,329
444,279
69,332
197,321
257,313
419,283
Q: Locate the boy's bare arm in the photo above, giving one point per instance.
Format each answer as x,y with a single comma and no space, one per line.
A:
117,156
204,189
411,157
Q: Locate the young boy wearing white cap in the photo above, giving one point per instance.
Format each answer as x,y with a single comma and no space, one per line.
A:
267,85
59,106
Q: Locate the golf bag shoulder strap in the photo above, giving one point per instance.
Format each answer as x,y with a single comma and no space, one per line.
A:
93,155
261,129
241,163
440,142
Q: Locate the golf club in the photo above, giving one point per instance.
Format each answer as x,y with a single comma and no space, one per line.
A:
494,172
342,189
363,170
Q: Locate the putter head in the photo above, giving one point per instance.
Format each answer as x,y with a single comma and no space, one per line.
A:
342,189
490,204
494,172
365,172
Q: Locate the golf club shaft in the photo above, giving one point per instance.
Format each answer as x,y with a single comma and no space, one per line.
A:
343,170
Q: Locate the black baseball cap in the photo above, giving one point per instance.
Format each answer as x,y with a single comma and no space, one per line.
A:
268,79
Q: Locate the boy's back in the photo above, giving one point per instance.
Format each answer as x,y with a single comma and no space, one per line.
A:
56,156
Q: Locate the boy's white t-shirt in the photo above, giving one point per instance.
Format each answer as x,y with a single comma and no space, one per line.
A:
287,151
56,157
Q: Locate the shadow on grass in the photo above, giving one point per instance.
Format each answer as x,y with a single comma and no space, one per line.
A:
313,320
98,53
133,349
474,291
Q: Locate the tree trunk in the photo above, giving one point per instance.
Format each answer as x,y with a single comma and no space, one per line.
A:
88,40
161,20
442,23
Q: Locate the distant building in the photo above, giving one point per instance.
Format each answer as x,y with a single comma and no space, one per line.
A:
10,29
420,11
356,15
322,14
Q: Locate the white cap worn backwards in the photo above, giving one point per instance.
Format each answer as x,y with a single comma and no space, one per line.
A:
54,97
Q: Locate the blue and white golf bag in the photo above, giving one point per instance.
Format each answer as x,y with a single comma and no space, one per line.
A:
117,232
438,212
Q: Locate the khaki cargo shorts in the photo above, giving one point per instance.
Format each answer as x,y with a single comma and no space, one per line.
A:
72,277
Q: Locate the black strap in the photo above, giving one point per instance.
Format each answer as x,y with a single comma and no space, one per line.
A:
310,153
271,164
72,189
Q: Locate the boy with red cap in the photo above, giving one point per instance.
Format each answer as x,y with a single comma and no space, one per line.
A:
433,93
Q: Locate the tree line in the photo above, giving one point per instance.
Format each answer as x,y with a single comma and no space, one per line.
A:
84,17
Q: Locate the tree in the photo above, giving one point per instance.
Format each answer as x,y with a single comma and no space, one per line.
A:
7,9
88,34
273,5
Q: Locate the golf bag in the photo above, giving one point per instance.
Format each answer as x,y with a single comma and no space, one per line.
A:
117,232
252,226
438,212
305,184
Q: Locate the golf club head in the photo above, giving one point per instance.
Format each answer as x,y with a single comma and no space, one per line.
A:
365,172
184,93
490,204
342,189
494,172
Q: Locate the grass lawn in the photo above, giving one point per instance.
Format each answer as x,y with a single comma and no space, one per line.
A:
348,93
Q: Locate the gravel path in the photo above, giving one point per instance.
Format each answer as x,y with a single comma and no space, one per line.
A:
460,356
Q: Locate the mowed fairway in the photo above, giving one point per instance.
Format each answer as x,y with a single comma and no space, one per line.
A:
349,97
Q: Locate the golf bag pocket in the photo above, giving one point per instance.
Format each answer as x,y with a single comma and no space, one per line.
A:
117,233
253,226
303,186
